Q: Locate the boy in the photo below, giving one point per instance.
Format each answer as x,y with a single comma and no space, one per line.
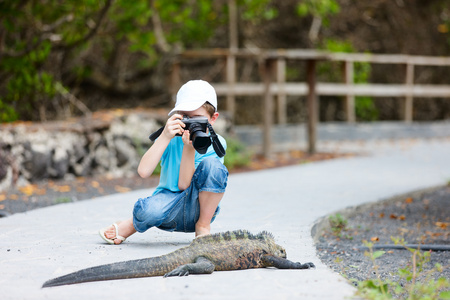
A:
191,184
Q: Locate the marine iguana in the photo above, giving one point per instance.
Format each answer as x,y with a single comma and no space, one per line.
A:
232,250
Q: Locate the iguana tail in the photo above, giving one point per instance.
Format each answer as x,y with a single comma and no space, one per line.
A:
147,267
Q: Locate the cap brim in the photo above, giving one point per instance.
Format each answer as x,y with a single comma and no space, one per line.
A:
190,106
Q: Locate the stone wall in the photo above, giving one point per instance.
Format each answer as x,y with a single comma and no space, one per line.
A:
105,143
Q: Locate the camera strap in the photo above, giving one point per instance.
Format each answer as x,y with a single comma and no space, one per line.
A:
220,151
156,134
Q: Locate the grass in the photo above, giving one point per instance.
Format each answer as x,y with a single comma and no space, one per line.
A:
415,283
416,279
237,154
339,225
63,200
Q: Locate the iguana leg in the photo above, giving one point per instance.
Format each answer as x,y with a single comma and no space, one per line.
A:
201,266
282,263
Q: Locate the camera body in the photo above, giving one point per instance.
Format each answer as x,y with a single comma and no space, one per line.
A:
195,124
201,140
197,128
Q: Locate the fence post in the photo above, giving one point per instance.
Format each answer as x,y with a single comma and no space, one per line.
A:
408,107
231,57
266,72
231,81
350,97
312,105
281,80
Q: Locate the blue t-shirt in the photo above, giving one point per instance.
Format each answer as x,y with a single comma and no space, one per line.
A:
171,160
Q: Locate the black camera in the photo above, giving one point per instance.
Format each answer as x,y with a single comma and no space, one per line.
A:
200,139
197,129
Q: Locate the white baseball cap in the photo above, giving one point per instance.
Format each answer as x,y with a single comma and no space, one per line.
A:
194,94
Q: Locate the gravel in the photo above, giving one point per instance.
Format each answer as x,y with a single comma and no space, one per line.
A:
418,218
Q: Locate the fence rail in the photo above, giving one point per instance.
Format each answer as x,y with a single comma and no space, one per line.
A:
336,89
272,64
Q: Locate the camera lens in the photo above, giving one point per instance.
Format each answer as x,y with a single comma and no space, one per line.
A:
200,140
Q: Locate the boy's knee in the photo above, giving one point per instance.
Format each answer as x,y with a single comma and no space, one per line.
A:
213,174
211,164
143,212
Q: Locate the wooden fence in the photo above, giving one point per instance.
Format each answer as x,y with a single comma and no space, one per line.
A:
273,83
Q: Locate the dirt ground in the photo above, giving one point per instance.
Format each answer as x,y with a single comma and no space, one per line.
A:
418,218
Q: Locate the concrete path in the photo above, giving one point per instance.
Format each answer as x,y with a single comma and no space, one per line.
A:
54,241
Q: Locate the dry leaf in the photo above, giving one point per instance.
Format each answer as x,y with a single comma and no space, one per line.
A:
64,189
32,189
2,206
121,189
27,190
409,200
375,239
404,230
402,217
381,215
393,216
81,179
434,234
442,225
2,197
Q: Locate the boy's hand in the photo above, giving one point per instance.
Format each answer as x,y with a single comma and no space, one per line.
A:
187,138
174,126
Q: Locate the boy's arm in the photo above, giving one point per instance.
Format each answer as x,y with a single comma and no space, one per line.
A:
187,165
151,158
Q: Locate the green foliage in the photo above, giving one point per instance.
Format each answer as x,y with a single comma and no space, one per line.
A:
443,10
338,46
257,10
364,106
237,154
318,8
419,284
338,224
189,24
7,113
62,200
49,43
28,81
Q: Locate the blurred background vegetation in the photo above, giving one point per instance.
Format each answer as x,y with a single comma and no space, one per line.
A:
66,58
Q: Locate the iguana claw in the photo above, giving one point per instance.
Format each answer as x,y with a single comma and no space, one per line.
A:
180,271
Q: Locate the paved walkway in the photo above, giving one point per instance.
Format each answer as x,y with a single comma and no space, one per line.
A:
53,241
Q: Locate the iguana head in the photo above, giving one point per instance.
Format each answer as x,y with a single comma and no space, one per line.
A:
274,248
277,250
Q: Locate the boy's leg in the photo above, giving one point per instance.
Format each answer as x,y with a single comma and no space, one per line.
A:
147,212
125,229
208,205
207,187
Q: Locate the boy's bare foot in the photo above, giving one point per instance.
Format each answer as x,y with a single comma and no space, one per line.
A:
201,230
125,229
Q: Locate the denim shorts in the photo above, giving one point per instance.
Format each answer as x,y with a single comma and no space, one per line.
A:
179,211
